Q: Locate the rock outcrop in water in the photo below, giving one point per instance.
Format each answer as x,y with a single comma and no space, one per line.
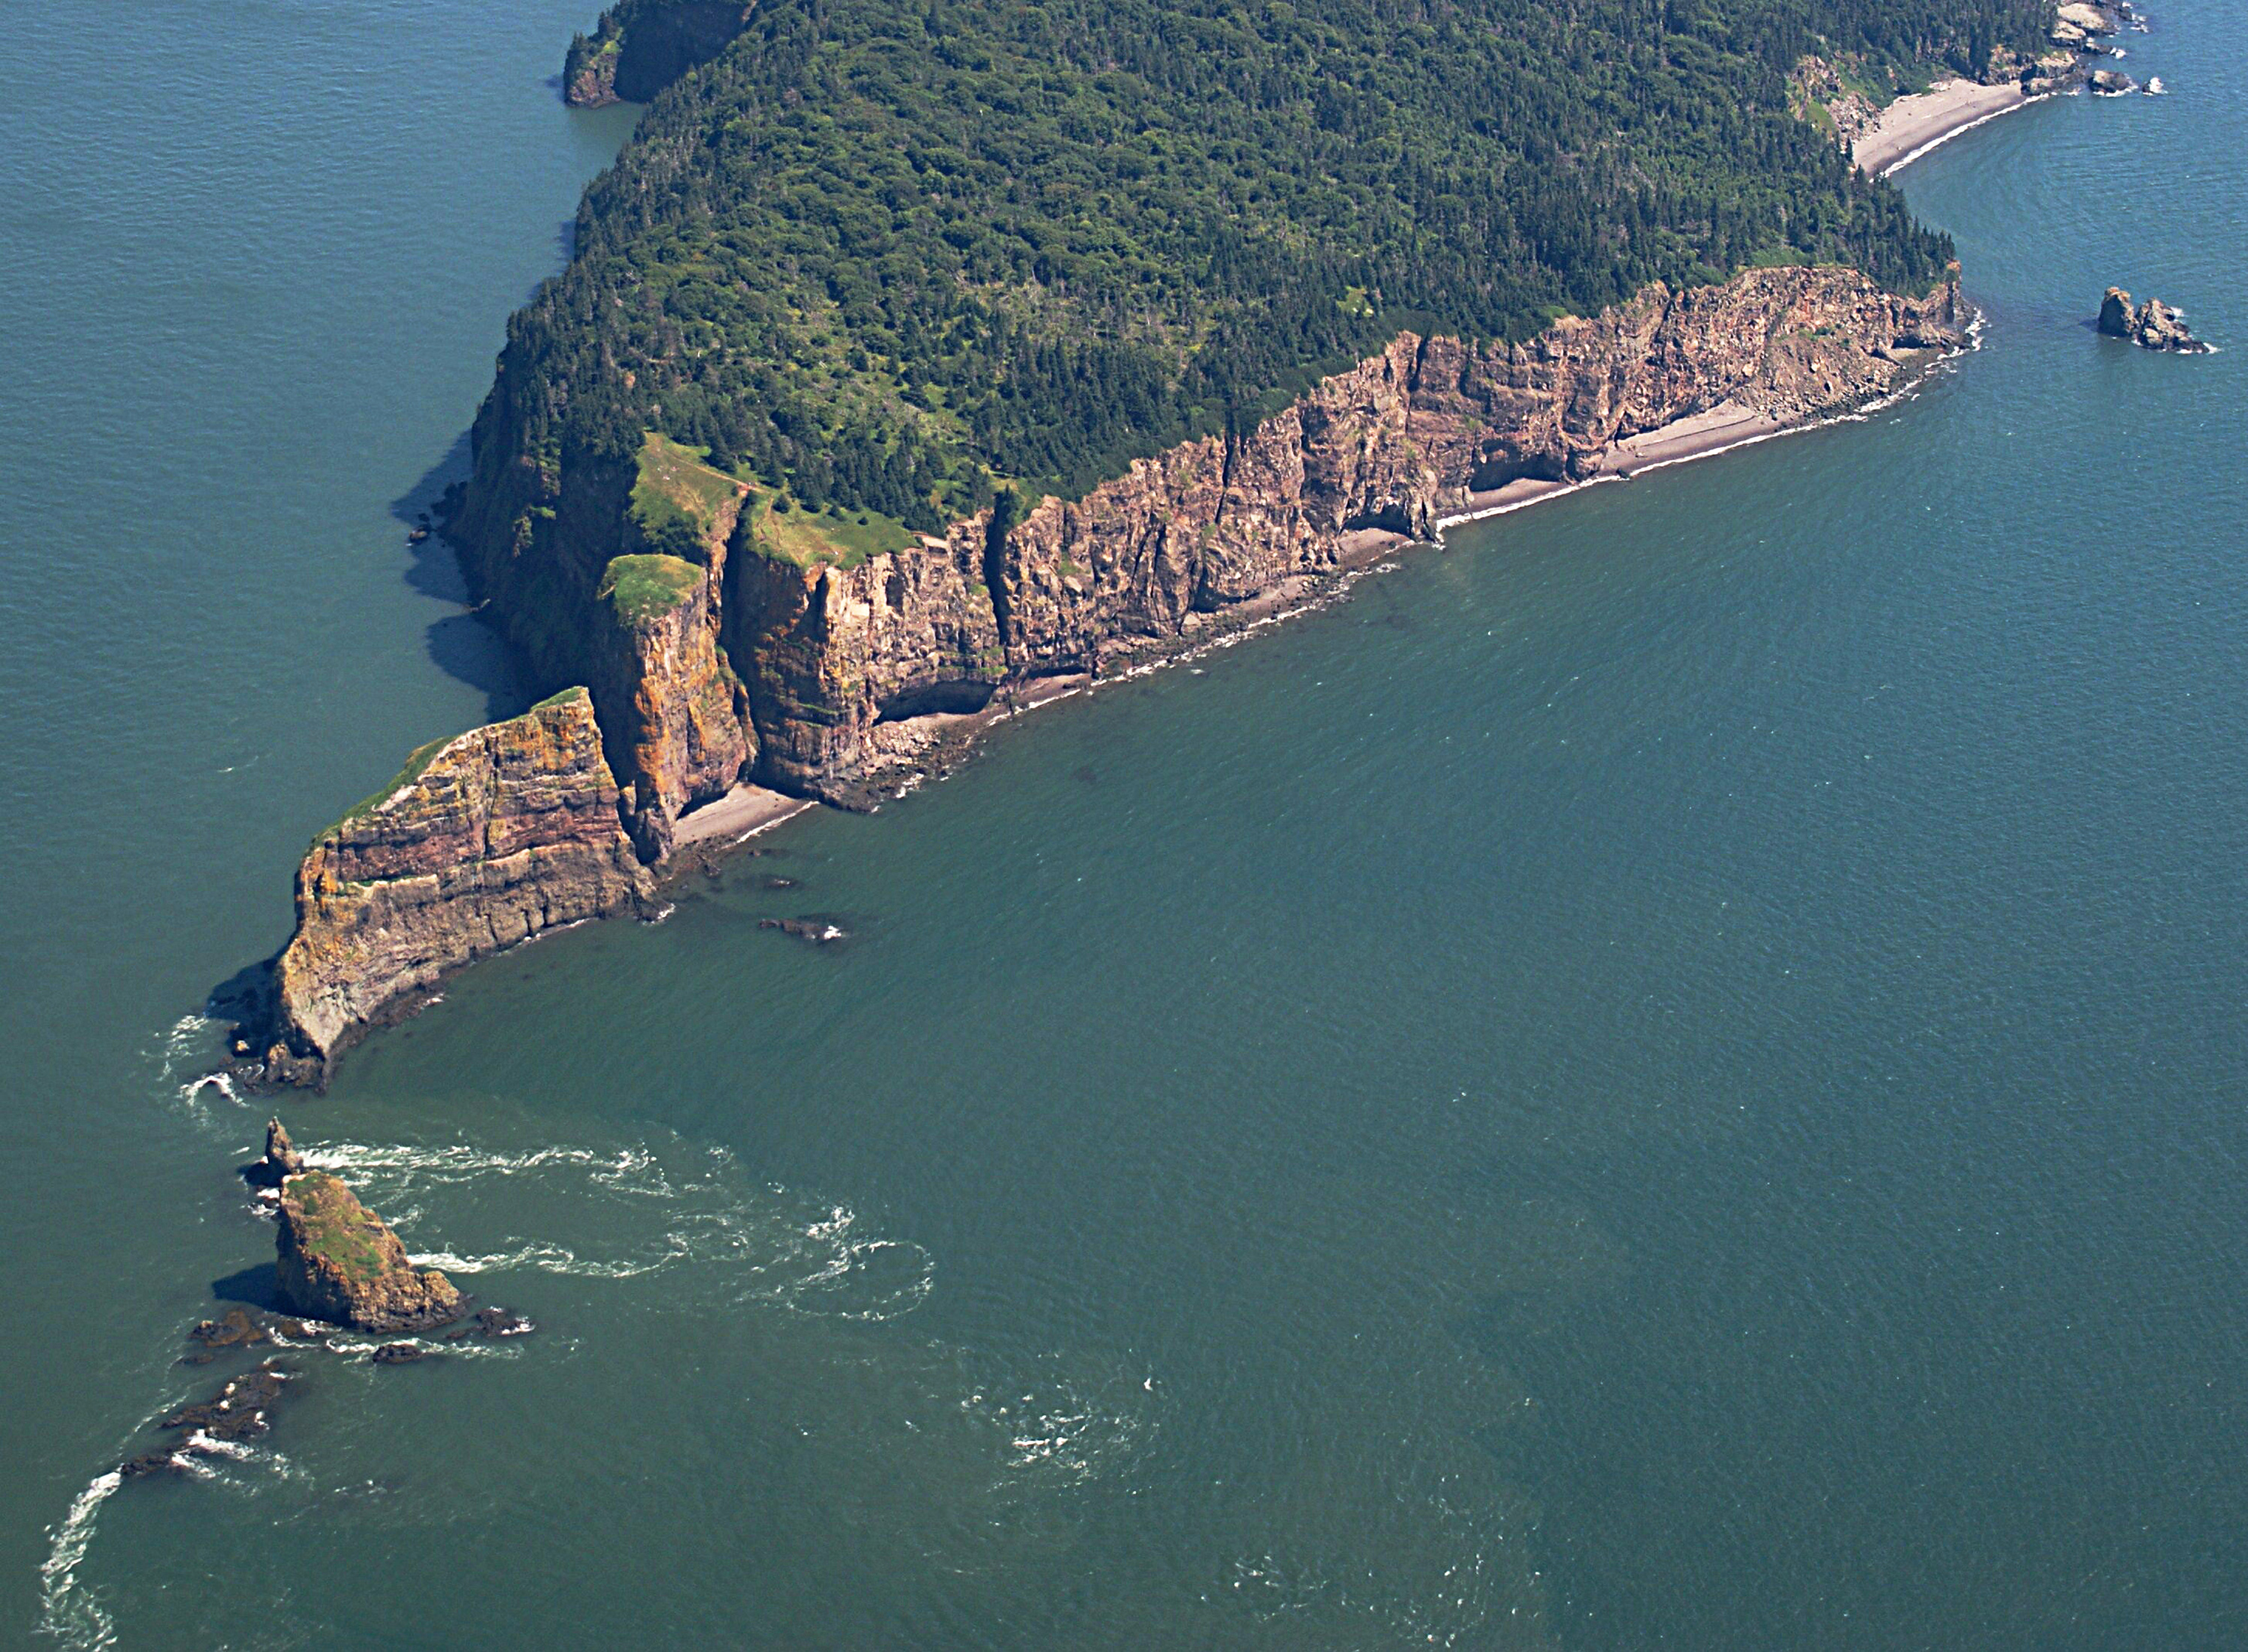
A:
480,842
281,1161
340,1262
819,678
2151,326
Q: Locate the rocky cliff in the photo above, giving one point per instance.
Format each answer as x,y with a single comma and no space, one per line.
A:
824,658
642,46
815,676
480,841
337,1262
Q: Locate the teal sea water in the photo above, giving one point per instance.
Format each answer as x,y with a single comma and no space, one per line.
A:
1668,1075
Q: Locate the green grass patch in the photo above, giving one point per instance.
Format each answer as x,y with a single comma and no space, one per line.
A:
826,539
641,589
336,1228
562,697
676,498
416,762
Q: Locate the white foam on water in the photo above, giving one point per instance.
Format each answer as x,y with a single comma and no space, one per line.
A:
544,1257
204,1443
463,1350
68,1610
457,1163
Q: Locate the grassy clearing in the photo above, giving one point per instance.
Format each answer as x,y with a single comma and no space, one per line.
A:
826,539
676,498
641,589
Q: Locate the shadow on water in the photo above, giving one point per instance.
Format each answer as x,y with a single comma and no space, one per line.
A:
253,1287
461,645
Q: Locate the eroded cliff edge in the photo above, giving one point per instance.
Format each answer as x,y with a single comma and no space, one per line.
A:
728,652
480,841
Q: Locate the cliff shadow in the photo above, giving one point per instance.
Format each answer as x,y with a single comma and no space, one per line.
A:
461,645
253,1287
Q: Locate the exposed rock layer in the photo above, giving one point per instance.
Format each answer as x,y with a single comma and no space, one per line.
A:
337,1262
814,679
482,841
831,658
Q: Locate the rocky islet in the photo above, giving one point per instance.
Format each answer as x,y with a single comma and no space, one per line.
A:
2151,326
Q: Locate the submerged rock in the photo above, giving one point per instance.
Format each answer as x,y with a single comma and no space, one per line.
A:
492,1323
2152,325
237,1328
817,931
281,1161
339,1262
399,1353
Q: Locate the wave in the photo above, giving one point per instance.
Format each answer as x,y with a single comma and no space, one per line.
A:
68,1611
662,1214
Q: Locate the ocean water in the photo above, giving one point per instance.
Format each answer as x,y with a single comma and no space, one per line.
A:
1668,1074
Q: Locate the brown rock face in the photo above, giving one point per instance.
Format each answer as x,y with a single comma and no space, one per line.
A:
339,1262
799,677
482,841
281,1161
2151,326
678,715
834,652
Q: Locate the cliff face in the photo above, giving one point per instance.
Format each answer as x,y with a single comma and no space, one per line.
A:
482,841
678,724
834,652
810,677
792,674
642,46
1407,437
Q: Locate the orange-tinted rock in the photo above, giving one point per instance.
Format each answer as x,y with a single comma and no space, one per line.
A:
482,841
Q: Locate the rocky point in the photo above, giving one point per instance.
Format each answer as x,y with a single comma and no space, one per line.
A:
823,678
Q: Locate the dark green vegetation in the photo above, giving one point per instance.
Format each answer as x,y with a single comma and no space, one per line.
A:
892,255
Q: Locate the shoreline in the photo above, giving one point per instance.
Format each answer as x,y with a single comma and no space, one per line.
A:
746,812
1912,126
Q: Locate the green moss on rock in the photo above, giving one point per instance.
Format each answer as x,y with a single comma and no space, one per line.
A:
642,589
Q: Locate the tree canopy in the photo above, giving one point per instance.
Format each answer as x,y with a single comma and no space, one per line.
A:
891,253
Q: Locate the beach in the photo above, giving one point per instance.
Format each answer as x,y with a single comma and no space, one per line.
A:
1912,126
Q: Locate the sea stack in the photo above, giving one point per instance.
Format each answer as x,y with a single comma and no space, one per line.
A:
2152,325
341,1264
281,1161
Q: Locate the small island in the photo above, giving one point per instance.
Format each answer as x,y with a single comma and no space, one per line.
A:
2151,326
341,1264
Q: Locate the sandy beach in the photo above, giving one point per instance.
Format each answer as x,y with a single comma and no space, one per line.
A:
741,811
1911,127
1697,436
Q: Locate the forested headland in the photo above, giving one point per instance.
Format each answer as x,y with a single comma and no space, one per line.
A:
893,255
